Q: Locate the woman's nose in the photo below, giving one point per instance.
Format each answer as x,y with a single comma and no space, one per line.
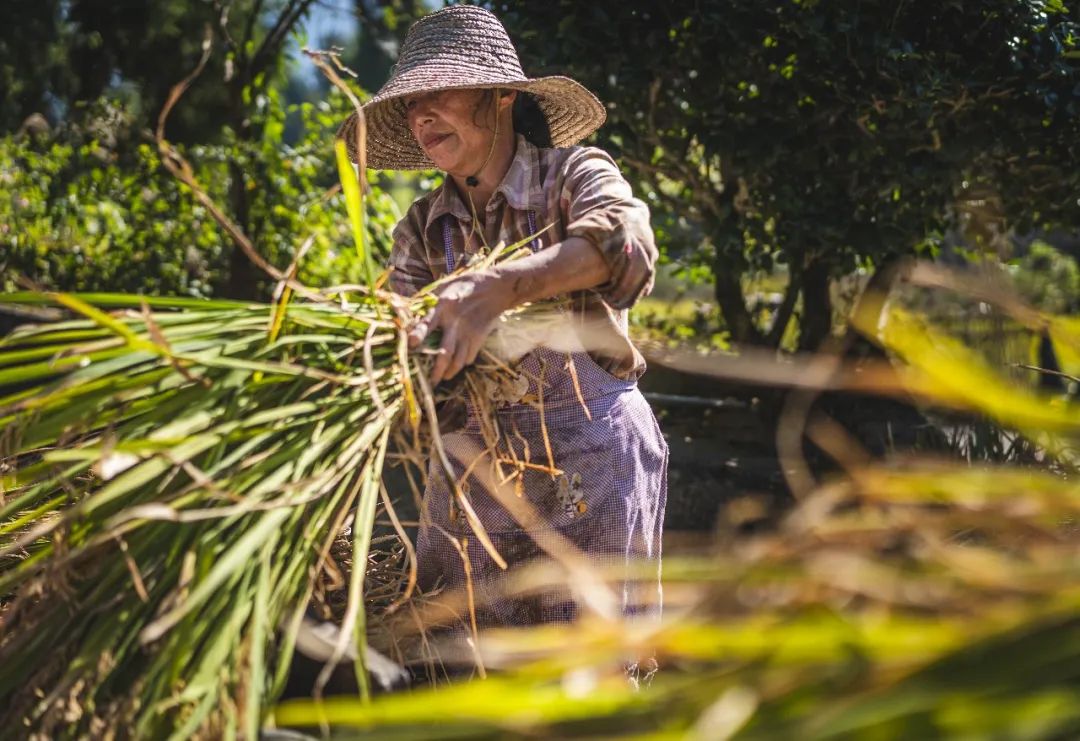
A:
421,112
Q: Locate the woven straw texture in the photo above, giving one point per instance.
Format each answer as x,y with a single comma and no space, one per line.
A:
462,46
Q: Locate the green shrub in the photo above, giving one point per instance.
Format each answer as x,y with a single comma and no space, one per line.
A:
90,208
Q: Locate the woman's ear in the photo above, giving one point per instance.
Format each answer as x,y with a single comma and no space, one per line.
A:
506,98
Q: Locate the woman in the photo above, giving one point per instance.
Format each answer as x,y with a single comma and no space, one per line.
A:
575,440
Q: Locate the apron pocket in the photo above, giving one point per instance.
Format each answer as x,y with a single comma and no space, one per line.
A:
583,453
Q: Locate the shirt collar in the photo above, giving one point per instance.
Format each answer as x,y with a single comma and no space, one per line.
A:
447,200
520,187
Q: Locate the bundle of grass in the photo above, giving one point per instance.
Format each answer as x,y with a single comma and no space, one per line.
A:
174,480
173,475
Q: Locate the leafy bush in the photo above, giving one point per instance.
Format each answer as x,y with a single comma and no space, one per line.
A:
90,208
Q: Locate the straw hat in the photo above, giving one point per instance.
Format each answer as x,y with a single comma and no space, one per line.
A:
462,46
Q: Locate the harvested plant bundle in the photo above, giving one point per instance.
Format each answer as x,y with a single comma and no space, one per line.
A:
173,473
172,481
172,476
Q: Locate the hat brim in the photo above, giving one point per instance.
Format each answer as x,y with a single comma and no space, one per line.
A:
572,113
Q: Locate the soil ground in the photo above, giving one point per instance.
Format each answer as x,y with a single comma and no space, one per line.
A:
719,452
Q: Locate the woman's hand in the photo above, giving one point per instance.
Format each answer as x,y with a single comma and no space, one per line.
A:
466,312
469,305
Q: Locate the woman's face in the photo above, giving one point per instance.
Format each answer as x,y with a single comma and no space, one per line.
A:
453,127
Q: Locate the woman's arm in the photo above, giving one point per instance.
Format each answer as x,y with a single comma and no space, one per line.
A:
469,305
609,247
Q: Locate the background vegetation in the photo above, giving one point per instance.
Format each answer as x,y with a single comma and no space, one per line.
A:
86,203
781,146
793,154
823,138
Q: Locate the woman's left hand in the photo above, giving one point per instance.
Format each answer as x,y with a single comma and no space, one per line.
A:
466,312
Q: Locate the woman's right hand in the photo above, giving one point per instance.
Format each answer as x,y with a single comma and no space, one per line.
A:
469,304
466,312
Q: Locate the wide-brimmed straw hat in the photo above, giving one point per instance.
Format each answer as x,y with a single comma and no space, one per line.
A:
462,46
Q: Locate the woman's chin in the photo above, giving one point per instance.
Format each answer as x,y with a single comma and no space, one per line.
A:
441,160
442,153
455,168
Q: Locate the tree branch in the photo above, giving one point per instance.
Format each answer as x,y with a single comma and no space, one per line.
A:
249,27
273,40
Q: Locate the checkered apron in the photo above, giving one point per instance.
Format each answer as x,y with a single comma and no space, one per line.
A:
607,498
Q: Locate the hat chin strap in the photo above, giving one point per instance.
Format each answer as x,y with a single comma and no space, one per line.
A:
474,180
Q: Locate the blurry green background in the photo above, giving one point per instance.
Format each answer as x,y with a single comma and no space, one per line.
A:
792,153
788,150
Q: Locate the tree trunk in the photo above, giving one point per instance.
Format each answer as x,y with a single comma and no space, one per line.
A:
816,324
729,297
875,293
786,308
243,277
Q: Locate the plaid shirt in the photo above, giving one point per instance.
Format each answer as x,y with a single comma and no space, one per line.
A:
581,192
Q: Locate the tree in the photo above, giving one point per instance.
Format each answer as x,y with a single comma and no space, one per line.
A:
381,27
821,136
59,57
29,69
136,52
92,208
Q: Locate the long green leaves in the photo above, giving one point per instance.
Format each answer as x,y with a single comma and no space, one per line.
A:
912,597
171,481
350,186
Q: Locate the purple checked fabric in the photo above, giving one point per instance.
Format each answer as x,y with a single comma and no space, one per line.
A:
608,501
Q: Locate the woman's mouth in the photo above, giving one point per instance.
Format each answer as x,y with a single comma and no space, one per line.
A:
434,140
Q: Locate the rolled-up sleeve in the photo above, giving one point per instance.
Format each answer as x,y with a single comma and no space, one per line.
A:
408,259
601,209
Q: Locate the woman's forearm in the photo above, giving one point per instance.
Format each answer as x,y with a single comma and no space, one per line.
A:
572,265
469,304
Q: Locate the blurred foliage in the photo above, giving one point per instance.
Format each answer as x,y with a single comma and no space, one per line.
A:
371,47
825,136
56,56
90,208
1043,276
88,79
1048,279
680,323
906,597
